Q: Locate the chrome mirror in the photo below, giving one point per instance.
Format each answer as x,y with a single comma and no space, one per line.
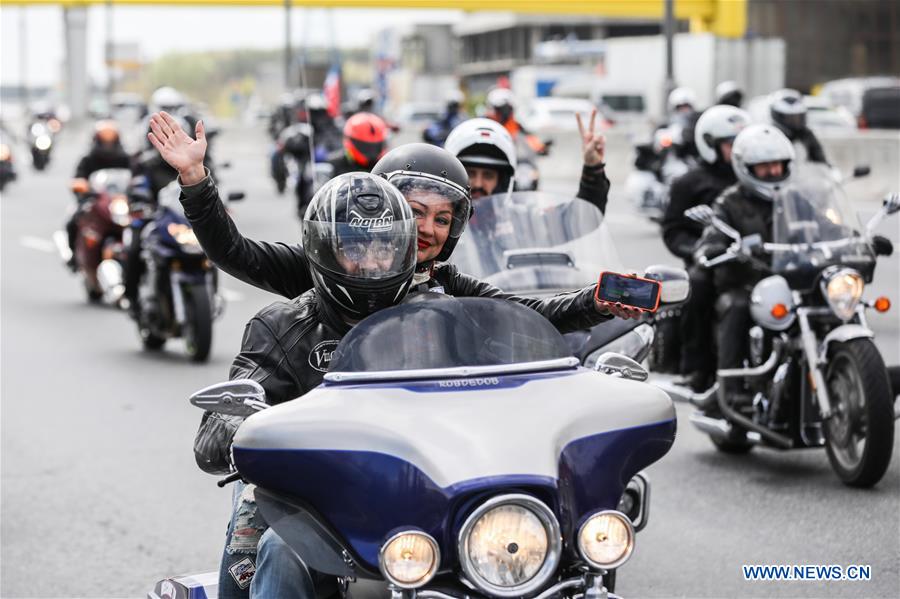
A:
618,365
241,397
675,284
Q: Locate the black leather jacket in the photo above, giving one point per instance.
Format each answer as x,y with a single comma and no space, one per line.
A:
594,186
286,348
748,215
101,157
700,186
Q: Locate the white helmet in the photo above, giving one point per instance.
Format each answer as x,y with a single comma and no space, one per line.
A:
755,145
681,96
167,98
501,96
717,124
484,143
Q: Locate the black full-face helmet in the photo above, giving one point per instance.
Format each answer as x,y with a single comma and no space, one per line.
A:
425,173
360,237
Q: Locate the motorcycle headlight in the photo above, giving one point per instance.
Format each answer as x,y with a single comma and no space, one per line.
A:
843,288
410,559
43,142
606,540
120,211
510,546
185,237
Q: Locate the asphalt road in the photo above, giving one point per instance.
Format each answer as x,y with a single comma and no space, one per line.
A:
101,497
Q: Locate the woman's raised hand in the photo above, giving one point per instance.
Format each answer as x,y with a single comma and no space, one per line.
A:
177,148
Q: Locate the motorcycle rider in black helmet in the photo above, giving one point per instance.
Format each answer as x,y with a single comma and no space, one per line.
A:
359,234
424,172
713,135
788,113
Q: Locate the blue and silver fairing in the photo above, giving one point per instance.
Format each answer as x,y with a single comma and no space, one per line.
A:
372,458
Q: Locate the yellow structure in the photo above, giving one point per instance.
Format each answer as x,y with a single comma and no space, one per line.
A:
725,18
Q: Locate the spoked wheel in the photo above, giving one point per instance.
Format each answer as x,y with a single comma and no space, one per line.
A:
859,437
198,323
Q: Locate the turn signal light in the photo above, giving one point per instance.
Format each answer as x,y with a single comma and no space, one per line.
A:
779,311
882,304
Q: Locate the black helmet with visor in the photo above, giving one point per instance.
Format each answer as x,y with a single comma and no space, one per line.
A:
430,175
359,234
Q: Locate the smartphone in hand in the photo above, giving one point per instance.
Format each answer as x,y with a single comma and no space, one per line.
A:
628,290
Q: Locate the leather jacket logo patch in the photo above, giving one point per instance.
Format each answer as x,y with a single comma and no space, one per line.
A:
320,356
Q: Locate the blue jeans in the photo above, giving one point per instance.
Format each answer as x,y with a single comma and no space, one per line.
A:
256,562
280,572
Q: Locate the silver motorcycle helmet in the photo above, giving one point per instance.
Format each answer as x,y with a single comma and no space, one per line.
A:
758,144
716,125
680,97
485,143
788,111
167,98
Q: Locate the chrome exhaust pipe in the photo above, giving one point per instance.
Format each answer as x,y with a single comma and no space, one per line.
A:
714,427
682,394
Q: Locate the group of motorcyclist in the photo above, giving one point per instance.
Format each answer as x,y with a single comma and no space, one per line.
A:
740,166
151,173
384,225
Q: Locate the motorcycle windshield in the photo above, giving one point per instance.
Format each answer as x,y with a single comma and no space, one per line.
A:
110,180
537,243
431,330
814,227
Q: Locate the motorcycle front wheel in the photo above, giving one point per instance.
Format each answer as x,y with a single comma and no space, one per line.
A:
198,322
859,437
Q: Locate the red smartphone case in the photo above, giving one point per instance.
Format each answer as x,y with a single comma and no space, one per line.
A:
609,272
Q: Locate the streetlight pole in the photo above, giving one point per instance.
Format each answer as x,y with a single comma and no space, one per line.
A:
669,32
110,72
23,57
288,58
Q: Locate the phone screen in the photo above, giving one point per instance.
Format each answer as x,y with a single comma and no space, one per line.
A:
640,293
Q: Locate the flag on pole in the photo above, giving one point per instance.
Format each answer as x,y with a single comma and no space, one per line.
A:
332,91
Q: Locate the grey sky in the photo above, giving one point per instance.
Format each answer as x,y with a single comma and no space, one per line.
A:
163,29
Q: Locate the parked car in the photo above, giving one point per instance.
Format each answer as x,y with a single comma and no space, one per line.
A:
823,116
849,92
880,108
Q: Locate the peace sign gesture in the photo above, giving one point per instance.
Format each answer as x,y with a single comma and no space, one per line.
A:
177,148
593,143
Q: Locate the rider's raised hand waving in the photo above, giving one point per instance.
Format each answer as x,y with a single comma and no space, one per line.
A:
177,148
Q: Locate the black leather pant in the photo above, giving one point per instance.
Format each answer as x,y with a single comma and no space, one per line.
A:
733,324
698,341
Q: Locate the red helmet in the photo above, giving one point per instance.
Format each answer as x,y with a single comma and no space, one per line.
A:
365,135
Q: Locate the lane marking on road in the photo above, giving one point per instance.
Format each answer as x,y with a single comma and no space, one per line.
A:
231,296
38,243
